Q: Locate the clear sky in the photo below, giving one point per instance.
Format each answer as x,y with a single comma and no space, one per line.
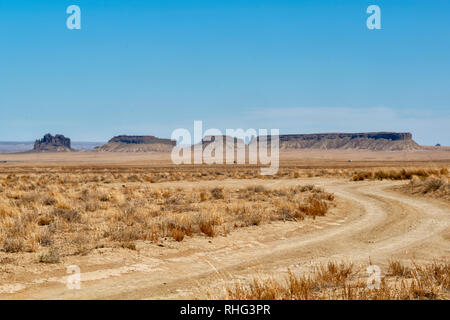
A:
149,67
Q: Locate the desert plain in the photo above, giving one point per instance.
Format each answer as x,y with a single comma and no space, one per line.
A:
341,224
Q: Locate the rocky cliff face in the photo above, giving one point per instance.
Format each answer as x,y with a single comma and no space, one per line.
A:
379,141
51,143
124,143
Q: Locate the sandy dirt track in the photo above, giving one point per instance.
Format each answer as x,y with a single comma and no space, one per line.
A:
370,222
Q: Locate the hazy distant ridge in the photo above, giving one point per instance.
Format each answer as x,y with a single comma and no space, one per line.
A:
22,146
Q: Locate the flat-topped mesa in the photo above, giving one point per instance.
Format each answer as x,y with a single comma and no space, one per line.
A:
365,135
124,143
140,140
49,143
379,141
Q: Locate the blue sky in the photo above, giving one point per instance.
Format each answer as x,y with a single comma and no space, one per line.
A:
149,67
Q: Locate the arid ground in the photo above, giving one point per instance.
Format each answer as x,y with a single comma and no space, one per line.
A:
139,227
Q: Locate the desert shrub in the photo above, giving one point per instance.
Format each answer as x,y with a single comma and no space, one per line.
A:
44,220
254,218
308,187
207,228
134,178
45,238
178,234
13,244
125,234
52,256
48,201
290,212
203,196
380,175
432,184
325,196
217,193
92,206
68,215
362,176
83,243
104,197
314,207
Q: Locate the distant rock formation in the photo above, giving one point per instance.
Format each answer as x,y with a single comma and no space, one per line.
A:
49,143
378,141
124,143
228,141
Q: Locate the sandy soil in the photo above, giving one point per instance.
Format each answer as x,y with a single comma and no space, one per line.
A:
370,222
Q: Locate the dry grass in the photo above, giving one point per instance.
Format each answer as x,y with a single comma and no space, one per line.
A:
398,174
396,268
156,172
342,281
77,213
437,187
423,181
52,256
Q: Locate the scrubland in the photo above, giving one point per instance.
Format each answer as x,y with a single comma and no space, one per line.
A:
429,182
400,174
436,187
60,213
72,214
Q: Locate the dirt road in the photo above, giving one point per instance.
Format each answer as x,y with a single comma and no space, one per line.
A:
370,222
